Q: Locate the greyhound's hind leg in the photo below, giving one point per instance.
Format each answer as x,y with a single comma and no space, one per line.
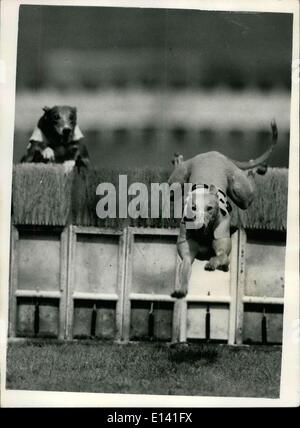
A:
241,188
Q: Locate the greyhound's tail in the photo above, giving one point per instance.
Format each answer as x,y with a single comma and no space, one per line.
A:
261,159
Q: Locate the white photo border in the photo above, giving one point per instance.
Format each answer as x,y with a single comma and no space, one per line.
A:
290,373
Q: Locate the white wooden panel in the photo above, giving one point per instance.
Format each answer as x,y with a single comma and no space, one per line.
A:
153,264
96,263
25,318
274,327
219,321
49,318
265,269
202,282
252,327
39,261
206,283
196,321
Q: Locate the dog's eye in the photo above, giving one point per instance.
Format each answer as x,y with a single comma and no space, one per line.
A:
193,206
55,116
209,208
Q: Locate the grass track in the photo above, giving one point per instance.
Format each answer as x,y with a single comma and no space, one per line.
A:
145,368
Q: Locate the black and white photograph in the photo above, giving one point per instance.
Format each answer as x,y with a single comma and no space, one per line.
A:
150,203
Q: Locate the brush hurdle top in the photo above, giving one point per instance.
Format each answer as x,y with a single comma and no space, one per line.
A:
42,195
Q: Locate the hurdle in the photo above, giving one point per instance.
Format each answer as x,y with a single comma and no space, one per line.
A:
260,290
151,272
208,312
95,283
74,276
152,266
38,281
81,282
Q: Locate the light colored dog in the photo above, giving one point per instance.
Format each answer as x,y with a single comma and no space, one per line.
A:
205,225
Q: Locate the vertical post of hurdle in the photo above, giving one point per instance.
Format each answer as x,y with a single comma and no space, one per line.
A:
13,281
63,282
242,241
127,284
233,288
179,331
70,281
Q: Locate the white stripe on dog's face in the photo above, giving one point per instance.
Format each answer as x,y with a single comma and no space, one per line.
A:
201,209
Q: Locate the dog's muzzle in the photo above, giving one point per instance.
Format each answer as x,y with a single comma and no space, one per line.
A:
224,207
67,134
66,131
194,222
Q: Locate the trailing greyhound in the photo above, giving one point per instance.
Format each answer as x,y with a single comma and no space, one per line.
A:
57,138
205,225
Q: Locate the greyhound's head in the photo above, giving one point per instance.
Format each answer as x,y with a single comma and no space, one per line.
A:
201,208
61,122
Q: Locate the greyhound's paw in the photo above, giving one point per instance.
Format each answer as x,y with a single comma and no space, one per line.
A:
48,154
209,267
68,166
224,268
179,294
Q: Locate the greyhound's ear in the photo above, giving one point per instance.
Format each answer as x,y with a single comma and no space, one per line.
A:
74,109
78,135
213,189
177,159
46,109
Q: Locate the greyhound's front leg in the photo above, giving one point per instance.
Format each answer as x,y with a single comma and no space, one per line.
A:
222,248
184,277
187,251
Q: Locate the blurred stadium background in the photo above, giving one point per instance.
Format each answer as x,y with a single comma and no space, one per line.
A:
150,82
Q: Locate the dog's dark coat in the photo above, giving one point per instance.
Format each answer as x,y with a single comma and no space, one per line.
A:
57,129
